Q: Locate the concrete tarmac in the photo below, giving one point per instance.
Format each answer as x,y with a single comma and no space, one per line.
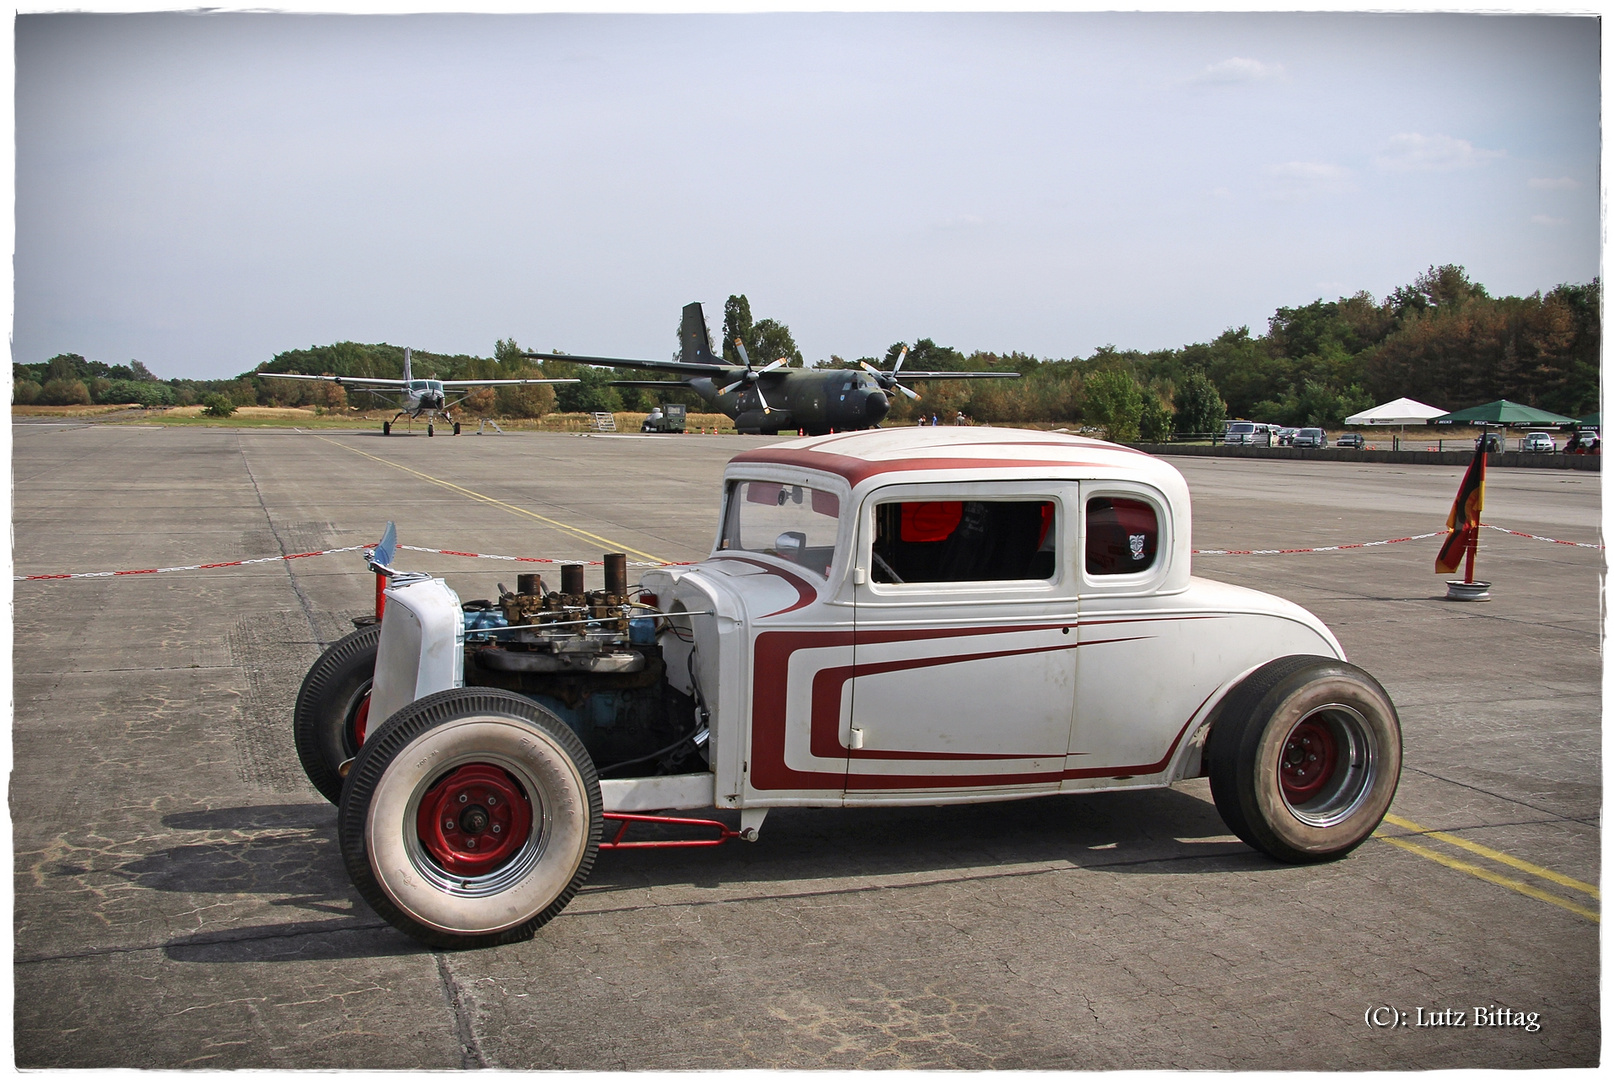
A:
180,900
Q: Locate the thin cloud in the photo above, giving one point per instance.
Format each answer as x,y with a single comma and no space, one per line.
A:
1297,180
1561,183
1236,70
1411,152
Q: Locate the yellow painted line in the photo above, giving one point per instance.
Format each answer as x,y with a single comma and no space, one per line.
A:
1498,856
1493,877
606,545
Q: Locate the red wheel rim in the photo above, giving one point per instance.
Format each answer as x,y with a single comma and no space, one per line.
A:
1307,762
361,720
474,819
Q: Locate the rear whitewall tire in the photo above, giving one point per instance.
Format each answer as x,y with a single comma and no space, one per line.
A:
426,745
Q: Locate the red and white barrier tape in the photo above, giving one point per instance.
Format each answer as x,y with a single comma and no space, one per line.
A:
573,562
1311,550
528,558
1546,539
310,555
193,566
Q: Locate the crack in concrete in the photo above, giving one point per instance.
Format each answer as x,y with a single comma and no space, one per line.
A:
1553,814
470,1052
296,587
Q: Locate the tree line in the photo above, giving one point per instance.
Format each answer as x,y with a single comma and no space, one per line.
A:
1442,339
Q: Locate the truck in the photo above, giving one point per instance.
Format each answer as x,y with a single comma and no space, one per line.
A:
667,419
892,617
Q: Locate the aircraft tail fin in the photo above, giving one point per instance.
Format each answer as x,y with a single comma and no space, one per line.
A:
408,372
693,339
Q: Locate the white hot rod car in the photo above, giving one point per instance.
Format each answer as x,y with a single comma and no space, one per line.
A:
887,618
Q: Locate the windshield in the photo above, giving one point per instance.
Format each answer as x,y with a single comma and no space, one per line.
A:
1240,429
791,521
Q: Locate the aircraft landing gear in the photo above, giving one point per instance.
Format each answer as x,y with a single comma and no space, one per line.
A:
428,429
456,427
386,427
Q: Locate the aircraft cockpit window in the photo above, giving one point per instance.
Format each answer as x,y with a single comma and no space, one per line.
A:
963,540
417,384
1123,536
791,521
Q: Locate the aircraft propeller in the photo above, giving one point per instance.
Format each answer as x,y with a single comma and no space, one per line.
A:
752,375
888,379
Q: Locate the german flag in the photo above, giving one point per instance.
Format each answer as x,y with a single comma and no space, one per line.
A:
1464,520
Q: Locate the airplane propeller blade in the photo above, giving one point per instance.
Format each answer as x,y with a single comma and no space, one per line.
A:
888,379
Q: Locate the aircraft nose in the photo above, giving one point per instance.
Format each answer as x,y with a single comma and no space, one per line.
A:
876,405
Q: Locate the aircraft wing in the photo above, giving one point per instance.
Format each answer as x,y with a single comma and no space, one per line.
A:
959,375
652,384
455,383
680,366
391,384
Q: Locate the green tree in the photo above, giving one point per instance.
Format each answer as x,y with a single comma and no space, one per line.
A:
1199,407
64,392
24,392
1114,400
218,405
736,324
1154,423
1437,288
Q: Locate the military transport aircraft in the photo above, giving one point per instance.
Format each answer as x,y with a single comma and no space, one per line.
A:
767,400
415,397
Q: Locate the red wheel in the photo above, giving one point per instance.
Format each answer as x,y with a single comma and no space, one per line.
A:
1304,758
361,722
470,817
333,708
472,820
1308,760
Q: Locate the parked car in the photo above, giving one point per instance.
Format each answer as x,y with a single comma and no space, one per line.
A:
1490,442
1538,442
1582,441
889,618
1246,433
1286,436
1351,441
1311,438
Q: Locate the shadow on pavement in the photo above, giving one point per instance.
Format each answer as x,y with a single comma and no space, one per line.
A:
1144,832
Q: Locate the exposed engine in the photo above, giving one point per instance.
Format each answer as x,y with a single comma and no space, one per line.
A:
592,658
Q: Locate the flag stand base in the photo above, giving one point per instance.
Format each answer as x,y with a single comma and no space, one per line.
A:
1468,590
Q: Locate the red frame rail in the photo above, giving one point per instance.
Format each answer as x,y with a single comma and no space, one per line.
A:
616,843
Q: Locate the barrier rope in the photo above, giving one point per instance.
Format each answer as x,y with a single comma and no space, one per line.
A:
315,554
1546,539
597,562
1312,550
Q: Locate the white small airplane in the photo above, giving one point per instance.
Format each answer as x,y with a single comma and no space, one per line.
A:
417,397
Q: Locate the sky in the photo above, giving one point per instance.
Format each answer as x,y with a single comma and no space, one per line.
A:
201,192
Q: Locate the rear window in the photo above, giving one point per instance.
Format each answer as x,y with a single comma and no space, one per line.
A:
1123,536
963,540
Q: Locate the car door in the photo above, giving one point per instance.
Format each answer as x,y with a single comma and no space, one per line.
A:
964,642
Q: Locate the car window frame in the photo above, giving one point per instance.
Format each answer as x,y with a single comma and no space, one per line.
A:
1144,581
1059,492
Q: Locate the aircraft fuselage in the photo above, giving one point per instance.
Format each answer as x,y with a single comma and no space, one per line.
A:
814,401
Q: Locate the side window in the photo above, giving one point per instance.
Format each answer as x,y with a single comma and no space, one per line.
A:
1123,536
963,540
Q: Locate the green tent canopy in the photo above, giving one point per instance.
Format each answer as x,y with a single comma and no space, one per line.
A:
1593,420
1502,412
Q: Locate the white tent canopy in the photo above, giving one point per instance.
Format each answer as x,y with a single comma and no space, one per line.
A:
1400,411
